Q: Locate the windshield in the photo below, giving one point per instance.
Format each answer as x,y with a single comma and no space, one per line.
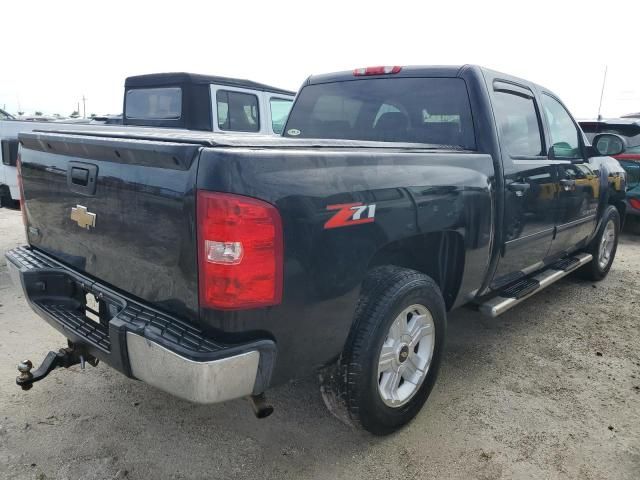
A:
415,110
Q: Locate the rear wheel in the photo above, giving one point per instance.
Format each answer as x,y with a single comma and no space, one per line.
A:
603,247
391,360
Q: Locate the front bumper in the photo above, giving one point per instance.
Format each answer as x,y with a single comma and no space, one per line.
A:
138,340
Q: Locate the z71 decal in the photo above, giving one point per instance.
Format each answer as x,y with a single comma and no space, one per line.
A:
350,214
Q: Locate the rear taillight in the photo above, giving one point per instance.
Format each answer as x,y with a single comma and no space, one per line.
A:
362,72
21,188
239,252
635,203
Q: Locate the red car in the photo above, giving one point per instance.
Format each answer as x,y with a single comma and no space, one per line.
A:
627,127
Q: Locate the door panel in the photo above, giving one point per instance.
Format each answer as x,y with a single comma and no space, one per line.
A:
579,185
579,193
529,217
531,184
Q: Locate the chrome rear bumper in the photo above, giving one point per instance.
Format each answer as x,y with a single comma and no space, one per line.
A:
140,341
200,382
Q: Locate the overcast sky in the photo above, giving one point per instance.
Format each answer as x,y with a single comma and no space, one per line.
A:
53,53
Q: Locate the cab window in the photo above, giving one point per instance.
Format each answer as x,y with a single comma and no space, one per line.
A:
237,111
154,103
517,121
565,137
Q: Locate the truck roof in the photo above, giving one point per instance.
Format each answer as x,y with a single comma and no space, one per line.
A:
173,78
409,71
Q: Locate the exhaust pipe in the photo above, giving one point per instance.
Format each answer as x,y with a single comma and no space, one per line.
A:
261,408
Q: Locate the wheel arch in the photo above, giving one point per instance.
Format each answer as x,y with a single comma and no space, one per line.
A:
440,255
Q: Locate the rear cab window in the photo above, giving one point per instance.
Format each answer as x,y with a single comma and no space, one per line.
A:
154,103
237,111
433,111
280,108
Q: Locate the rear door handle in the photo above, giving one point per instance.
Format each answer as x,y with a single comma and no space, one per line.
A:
519,188
567,184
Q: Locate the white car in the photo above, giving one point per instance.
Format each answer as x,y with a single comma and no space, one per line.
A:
207,103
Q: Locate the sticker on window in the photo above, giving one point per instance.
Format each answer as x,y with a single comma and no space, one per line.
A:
294,132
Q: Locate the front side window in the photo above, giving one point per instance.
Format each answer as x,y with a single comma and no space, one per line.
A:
565,139
433,111
237,111
518,124
279,112
154,103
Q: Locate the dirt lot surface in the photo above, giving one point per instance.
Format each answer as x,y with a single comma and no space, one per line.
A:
548,390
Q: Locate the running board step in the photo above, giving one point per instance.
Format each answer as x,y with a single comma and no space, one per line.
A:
524,289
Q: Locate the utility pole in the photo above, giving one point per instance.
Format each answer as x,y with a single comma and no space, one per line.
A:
604,81
84,107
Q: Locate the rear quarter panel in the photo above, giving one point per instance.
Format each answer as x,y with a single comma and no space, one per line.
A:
414,193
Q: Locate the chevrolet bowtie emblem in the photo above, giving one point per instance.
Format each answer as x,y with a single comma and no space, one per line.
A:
83,217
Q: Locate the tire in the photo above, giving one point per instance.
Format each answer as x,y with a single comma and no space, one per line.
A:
394,303
599,267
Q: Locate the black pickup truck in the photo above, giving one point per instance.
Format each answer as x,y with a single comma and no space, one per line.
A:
214,267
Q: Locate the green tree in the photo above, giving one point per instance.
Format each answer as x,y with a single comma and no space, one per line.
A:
75,114
38,113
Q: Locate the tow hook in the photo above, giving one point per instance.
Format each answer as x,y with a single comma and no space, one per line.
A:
261,408
63,358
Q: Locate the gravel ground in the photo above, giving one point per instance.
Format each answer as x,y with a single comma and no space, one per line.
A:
549,390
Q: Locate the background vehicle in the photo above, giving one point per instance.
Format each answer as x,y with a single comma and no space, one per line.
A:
222,265
9,130
203,102
627,127
176,100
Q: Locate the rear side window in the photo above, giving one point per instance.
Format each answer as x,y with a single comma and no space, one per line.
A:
564,133
279,112
237,111
154,103
415,110
517,120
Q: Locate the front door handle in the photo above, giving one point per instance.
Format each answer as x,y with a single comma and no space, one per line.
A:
519,188
567,184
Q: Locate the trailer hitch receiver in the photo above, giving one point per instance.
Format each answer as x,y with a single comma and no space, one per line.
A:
63,358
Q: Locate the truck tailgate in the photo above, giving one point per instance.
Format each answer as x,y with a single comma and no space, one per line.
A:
117,209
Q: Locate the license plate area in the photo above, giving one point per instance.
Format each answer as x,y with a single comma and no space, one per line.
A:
92,308
73,296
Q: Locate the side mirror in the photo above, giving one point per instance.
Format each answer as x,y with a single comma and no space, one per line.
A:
609,144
